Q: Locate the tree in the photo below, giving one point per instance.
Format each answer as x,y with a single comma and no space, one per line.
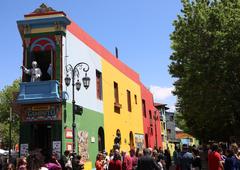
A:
206,65
6,100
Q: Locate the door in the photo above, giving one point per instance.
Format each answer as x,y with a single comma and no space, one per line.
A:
42,139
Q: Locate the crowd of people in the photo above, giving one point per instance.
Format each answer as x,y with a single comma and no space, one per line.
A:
36,161
219,157
149,159
224,157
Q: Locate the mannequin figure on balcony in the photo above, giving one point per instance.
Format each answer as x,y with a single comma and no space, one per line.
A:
35,72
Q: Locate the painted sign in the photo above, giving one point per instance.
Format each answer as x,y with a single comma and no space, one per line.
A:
68,133
69,146
41,112
57,148
83,145
24,149
139,140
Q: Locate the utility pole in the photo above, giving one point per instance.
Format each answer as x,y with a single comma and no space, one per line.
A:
10,135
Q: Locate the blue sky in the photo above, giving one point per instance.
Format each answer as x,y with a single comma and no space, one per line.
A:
139,28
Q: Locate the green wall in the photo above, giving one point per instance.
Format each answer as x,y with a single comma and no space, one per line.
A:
89,121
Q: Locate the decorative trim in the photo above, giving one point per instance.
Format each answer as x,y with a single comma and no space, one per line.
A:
27,29
41,21
34,44
27,41
44,34
58,39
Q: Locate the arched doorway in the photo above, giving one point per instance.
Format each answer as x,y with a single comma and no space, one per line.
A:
146,140
101,142
131,142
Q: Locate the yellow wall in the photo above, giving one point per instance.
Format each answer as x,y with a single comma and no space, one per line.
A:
125,121
171,147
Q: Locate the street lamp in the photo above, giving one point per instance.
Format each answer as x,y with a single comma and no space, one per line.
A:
75,72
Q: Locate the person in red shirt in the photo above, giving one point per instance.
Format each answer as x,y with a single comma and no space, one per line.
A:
99,162
127,161
115,163
214,159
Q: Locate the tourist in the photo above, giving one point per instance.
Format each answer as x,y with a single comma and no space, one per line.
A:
22,163
186,158
10,166
146,162
134,159
106,159
176,157
53,164
65,161
236,156
214,158
99,164
77,163
127,161
115,163
196,164
228,163
167,158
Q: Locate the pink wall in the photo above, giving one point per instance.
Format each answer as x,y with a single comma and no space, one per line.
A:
156,128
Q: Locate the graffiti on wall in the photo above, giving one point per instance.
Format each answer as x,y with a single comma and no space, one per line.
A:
83,145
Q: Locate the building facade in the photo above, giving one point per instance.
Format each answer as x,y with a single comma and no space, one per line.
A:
171,133
151,120
162,110
108,111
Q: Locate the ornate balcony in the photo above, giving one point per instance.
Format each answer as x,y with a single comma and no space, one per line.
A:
38,92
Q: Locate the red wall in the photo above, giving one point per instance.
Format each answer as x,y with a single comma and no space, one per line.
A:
156,128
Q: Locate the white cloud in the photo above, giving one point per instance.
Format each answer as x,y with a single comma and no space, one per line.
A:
161,93
172,108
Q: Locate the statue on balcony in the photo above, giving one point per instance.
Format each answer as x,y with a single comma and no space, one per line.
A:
35,72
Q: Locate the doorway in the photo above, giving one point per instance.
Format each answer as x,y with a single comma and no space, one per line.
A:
146,140
101,142
131,142
42,139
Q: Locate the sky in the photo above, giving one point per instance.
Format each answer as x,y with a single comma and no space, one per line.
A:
139,28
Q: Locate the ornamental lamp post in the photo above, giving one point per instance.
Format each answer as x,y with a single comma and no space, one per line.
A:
75,72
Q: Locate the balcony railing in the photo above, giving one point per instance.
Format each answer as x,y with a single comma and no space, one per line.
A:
38,92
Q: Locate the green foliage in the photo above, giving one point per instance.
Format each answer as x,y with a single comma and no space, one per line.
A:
6,100
181,123
206,65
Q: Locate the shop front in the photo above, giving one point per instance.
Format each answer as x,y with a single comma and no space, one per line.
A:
40,129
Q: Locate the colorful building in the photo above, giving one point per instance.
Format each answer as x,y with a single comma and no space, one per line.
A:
187,139
162,110
111,103
151,120
171,133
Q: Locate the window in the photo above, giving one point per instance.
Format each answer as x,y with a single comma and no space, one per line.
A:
144,107
116,97
99,84
117,105
129,101
171,118
151,130
168,131
150,117
135,98
150,114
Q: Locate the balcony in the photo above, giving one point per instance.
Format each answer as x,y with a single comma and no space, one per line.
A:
38,92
